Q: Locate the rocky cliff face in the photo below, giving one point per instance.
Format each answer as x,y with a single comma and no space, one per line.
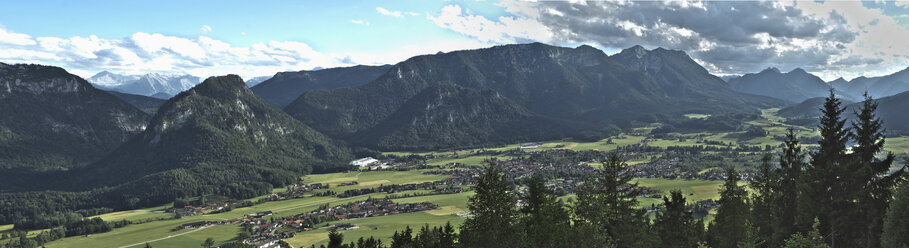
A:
53,119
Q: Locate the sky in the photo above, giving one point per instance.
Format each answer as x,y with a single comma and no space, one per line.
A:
259,38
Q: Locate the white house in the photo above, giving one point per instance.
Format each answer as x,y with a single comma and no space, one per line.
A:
364,162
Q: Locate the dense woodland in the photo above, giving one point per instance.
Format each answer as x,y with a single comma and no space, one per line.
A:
828,198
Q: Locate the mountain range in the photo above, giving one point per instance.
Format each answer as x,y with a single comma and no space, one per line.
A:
877,87
580,84
794,86
891,110
157,85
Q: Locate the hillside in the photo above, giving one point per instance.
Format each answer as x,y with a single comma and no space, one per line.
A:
50,119
892,110
217,133
579,84
147,104
794,86
284,87
446,116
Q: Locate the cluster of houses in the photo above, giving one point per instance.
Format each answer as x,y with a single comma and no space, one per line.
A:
265,229
190,210
297,190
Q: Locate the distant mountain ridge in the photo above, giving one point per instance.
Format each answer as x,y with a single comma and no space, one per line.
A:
794,86
877,87
152,84
285,87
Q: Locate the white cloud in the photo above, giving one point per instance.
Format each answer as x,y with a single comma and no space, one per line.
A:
384,11
11,38
205,29
360,22
504,30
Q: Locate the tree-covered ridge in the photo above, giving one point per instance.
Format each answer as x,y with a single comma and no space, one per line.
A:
217,136
580,84
447,115
50,119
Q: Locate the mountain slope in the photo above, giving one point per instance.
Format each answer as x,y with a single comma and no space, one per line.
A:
450,116
794,86
147,104
891,109
284,87
580,84
50,119
256,81
217,128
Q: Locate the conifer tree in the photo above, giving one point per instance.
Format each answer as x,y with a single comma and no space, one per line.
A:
786,205
335,239
871,185
823,188
676,226
544,220
606,206
764,200
730,224
494,213
896,224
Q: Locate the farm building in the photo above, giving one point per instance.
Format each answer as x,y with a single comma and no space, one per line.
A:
364,162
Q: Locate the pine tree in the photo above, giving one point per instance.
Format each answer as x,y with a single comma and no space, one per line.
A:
335,239
786,205
494,213
676,226
403,239
606,206
896,225
730,224
810,239
871,186
764,200
545,222
208,243
824,179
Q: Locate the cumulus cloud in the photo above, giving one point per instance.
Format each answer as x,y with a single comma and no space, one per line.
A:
504,30
11,38
728,37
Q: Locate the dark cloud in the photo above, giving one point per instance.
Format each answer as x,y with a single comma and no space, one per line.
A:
732,36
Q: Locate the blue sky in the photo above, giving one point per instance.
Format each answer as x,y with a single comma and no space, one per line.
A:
257,38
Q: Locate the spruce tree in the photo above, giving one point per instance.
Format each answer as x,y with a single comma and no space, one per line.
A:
764,200
824,179
335,239
896,224
494,213
870,184
786,205
606,205
544,220
730,224
676,226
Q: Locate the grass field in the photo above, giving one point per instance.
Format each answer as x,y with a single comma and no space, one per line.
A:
132,215
701,189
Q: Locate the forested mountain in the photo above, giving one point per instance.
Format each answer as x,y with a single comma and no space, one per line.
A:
147,104
217,133
795,86
50,119
878,87
684,79
891,109
448,116
580,84
153,84
284,87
